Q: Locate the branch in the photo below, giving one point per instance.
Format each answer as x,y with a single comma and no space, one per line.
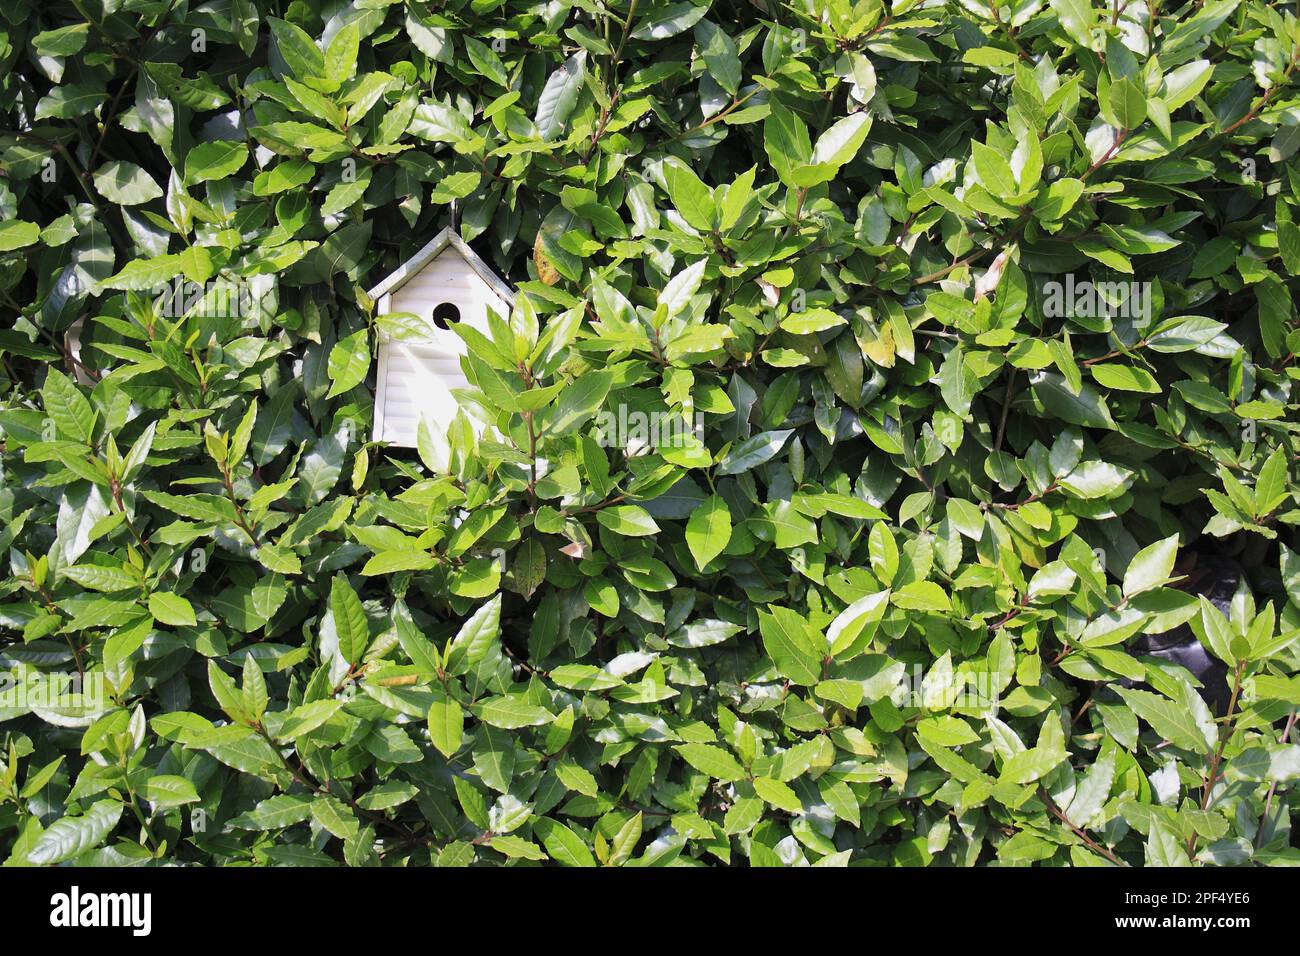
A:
1078,831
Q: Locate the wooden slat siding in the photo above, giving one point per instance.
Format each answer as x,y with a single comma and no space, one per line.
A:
419,376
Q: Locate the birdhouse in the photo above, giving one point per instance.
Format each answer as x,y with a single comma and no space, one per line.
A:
444,282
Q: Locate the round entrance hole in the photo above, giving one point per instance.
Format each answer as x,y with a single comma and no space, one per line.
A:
445,314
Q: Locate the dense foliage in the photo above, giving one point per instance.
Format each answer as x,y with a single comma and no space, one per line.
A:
888,385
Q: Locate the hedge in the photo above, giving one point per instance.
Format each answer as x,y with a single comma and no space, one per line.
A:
889,458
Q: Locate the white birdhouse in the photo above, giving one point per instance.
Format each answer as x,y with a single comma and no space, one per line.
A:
444,282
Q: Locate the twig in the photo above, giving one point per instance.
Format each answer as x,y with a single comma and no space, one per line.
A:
1272,789
1208,787
1078,831
1268,95
1006,409
1223,738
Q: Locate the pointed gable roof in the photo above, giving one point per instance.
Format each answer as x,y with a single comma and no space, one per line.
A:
409,269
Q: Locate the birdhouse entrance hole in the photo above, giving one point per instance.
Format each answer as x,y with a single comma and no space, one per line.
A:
445,314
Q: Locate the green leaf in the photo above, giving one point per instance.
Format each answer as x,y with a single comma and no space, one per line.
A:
579,402
168,608
785,138
922,596
1092,792
17,234
216,160
560,96
1125,378
253,688
1058,199
1170,720
626,839
168,790
228,697
446,726
302,720
720,55
712,761
1086,407
708,530
1184,82
100,578
630,521
947,731
1271,485
477,635
584,677
1288,244
883,552
125,184
350,622
564,846
778,794
340,60
297,49
753,452
853,629
69,837
144,274
349,362
511,713
1096,479
285,175
1215,632
993,170
788,642
1030,765
834,148
678,290
65,41
1129,103
67,407
438,123
275,813
1078,18
1151,566
693,199
668,21
1164,848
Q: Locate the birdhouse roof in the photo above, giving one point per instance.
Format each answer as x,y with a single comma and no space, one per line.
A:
411,267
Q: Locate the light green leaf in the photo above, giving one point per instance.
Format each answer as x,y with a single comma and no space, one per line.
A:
560,96
788,642
126,184
349,620
446,726
71,836
67,407
1151,566
168,608
349,362
713,761
708,530
563,845
753,452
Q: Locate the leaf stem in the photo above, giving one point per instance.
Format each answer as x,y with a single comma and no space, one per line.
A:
1078,831
1272,789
